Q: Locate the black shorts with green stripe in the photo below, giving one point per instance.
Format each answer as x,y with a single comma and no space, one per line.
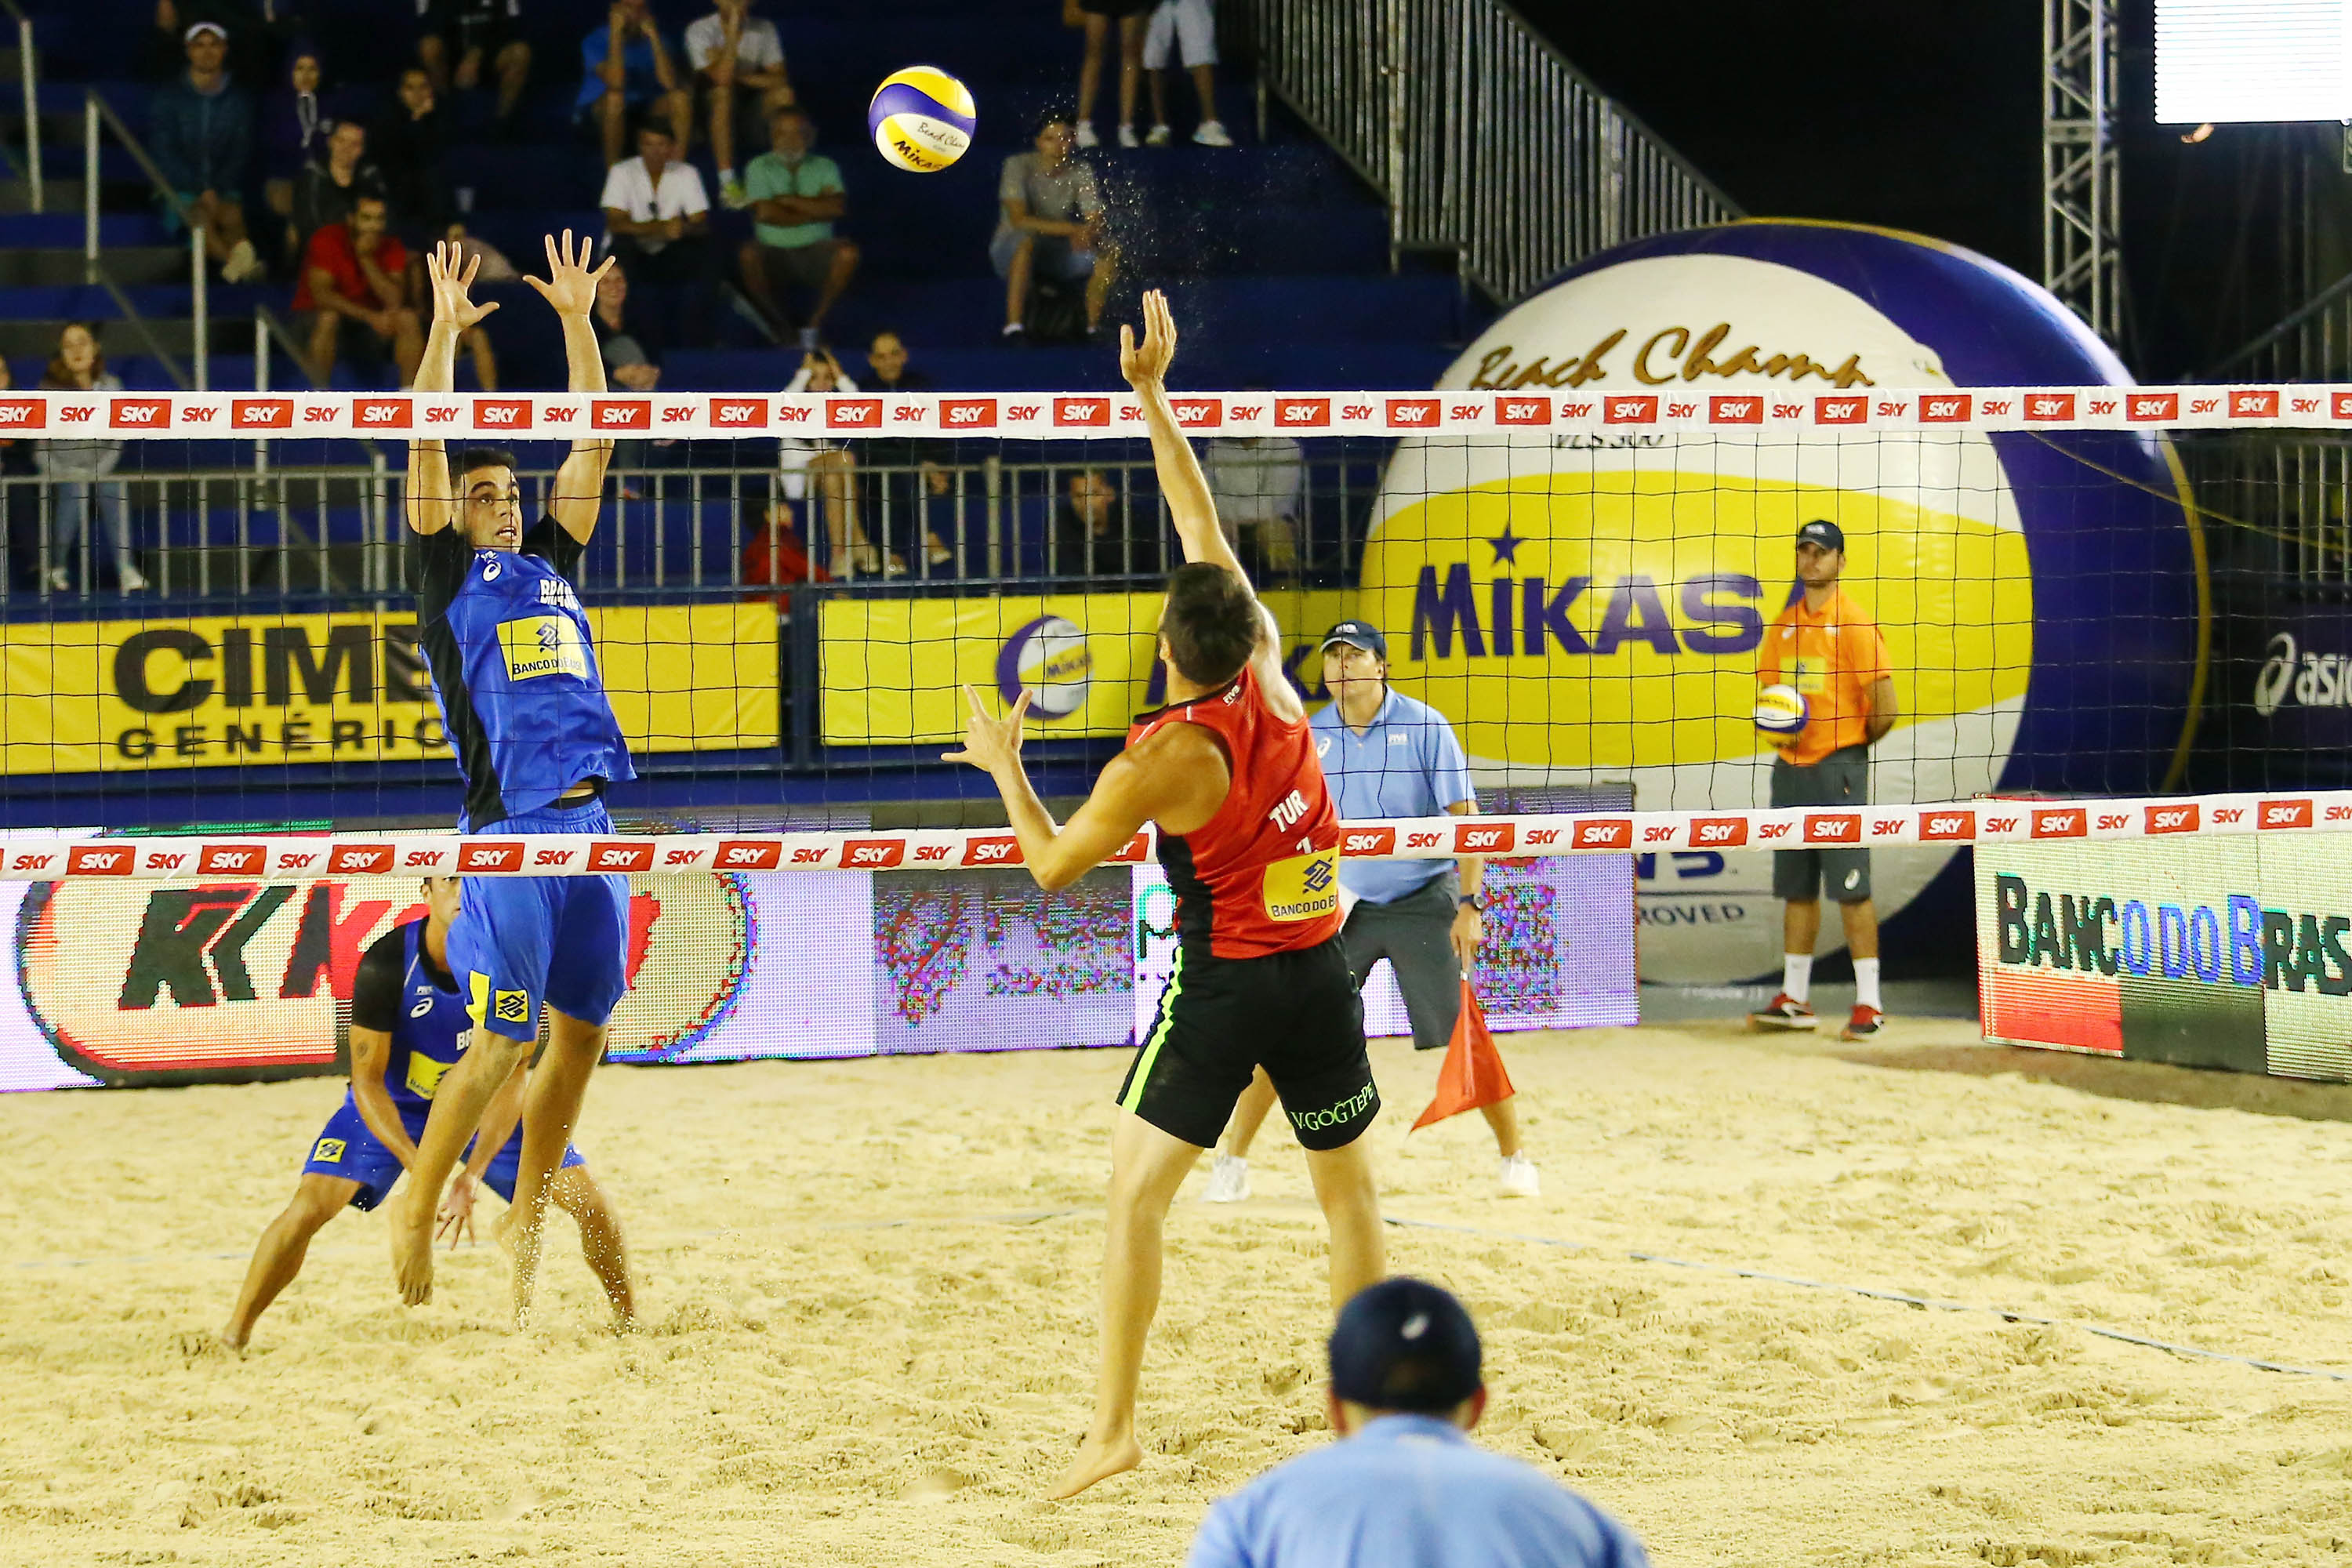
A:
1295,1014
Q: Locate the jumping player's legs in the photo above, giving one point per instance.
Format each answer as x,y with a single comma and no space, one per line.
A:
575,1191
277,1256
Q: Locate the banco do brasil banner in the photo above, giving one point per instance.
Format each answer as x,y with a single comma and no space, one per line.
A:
237,690
2207,952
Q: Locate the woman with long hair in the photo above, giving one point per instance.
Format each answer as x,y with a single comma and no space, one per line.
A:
79,468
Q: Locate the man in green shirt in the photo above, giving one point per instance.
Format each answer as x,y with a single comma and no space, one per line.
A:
795,195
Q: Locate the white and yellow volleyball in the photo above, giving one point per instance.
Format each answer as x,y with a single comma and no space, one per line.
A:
922,118
1781,714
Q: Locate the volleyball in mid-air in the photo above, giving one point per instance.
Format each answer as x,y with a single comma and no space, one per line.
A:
922,118
1781,714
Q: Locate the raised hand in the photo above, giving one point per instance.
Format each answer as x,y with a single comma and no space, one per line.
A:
1146,364
571,287
990,743
449,284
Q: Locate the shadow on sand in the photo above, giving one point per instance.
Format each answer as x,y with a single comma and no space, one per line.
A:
2149,1082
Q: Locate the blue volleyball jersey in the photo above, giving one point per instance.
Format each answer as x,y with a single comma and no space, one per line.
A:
400,991
514,669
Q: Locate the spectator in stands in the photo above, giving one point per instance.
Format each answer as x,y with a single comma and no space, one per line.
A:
835,470
1404,1483
407,145
917,480
738,66
355,276
1191,26
331,187
628,363
775,557
294,124
1087,539
266,30
200,133
794,196
1260,484
658,222
1052,225
629,73
1099,14
89,502
495,268
22,504
461,37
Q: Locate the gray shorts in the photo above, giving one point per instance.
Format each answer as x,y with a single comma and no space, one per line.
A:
1415,934
1842,778
807,264
1050,256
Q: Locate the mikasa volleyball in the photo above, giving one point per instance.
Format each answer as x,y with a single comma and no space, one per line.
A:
1781,714
922,118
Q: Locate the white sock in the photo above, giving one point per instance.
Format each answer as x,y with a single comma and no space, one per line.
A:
1796,974
1865,983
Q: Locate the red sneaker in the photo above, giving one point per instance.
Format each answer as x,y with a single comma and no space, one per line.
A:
1785,1013
1863,1026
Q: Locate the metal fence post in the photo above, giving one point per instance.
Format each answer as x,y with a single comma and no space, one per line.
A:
90,188
200,326
32,79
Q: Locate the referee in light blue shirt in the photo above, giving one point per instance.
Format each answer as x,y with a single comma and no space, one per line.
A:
1406,1488
1386,755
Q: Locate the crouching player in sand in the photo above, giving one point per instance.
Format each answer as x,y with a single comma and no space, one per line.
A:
409,1026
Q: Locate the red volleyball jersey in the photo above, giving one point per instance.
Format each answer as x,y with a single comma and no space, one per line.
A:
1263,875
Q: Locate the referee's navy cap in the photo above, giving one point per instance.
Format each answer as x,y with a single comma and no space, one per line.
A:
1357,633
1824,532
1405,1344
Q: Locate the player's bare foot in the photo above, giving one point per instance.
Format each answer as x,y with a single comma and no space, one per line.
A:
1098,1458
412,1248
235,1338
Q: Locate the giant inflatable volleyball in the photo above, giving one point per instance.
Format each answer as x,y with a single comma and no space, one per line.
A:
1588,609
922,118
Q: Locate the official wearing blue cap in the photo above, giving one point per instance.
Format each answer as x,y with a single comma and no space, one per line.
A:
1407,1489
1385,756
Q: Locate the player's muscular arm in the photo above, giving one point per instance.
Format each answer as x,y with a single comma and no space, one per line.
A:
579,490
1883,709
370,1049
431,498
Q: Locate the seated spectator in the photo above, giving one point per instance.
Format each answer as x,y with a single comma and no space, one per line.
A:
1191,26
294,124
1098,15
331,187
459,38
775,558
628,363
1087,541
1406,1390
1259,483
88,503
888,370
835,470
355,276
266,31
658,222
200,133
407,145
627,75
494,269
738,66
1052,226
794,196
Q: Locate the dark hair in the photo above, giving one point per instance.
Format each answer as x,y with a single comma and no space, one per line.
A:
57,376
1212,624
1050,117
474,457
655,124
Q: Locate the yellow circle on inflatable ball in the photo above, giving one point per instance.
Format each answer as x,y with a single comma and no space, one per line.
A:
922,118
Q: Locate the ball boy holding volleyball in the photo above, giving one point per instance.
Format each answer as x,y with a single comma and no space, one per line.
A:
1825,646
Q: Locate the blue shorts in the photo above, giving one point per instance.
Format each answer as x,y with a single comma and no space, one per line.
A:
346,1149
520,941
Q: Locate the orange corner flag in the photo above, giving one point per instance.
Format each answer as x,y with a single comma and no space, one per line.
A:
1473,1075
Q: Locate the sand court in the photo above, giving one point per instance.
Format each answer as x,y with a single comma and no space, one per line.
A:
869,1295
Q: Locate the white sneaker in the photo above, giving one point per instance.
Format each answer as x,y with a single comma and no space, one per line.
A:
1158,136
1084,135
1228,1181
135,581
60,580
1126,137
1519,1177
241,263
1211,133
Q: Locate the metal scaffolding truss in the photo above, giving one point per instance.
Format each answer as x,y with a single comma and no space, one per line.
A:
2081,207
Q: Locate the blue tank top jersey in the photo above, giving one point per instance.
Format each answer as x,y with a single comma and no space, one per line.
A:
400,991
514,670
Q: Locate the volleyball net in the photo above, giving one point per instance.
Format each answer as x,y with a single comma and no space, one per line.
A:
2121,603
